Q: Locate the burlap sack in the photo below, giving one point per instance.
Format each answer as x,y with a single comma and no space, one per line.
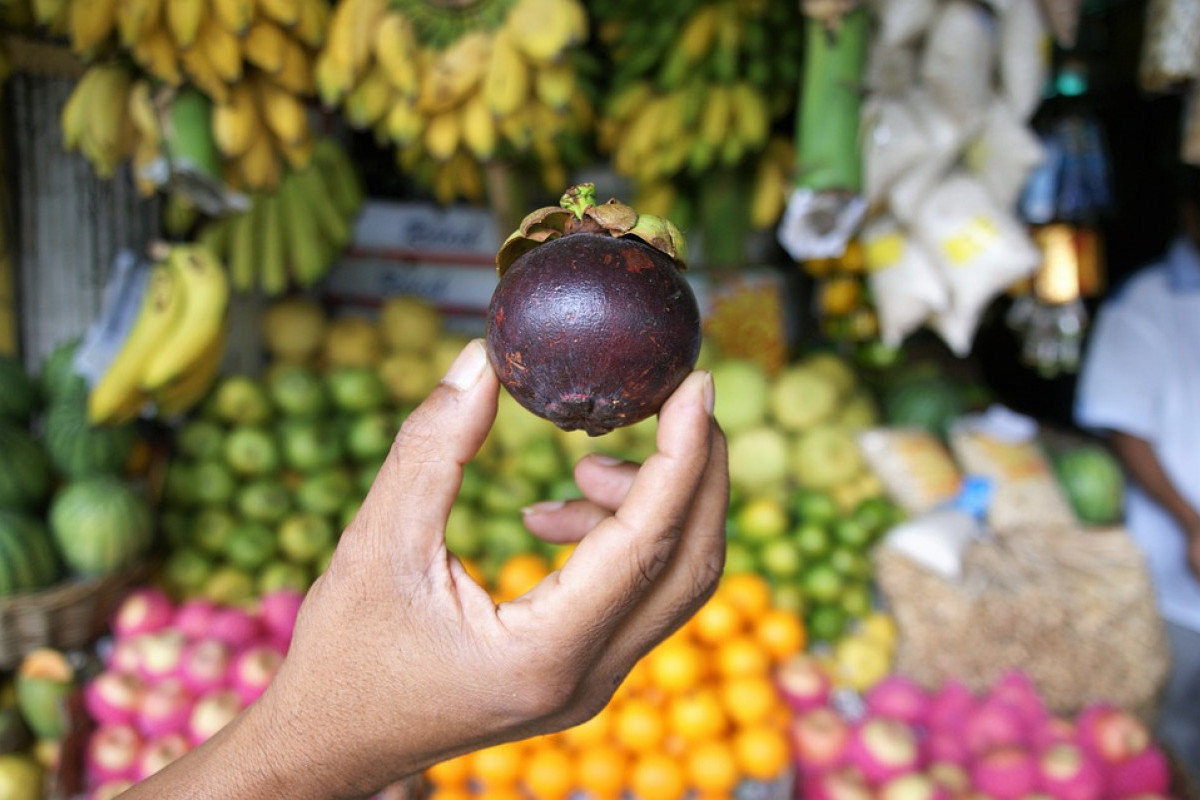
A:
1074,609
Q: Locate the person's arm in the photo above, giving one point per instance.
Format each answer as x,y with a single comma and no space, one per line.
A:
400,660
1147,471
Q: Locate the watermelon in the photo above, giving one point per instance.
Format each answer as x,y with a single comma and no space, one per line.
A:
58,377
25,475
1094,483
924,401
18,393
27,557
77,448
100,524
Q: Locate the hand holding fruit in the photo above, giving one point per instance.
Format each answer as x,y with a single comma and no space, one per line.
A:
401,660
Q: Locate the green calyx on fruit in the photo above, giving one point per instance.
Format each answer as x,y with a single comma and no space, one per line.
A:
578,212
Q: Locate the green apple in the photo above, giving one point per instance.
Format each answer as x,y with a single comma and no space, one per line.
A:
825,456
325,491
310,444
278,574
297,390
835,369
369,435
187,568
303,536
211,528
251,544
200,438
240,400
801,398
264,499
356,389
742,389
251,450
758,457
213,484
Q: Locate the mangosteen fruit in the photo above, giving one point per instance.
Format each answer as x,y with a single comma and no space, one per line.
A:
592,324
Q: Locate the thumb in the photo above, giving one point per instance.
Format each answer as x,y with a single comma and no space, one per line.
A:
405,510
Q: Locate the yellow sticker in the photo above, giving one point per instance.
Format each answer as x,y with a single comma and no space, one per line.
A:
975,236
883,251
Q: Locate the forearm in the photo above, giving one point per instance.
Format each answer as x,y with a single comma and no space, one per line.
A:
1147,471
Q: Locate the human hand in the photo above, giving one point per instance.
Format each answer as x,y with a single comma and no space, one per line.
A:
1193,549
400,659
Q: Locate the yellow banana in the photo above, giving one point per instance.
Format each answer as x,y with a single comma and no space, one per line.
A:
298,153
334,68
222,49
54,15
541,29
768,196
751,116
442,135
107,135
313,22
187,392
183,21
285,12
478,128
283,112
204,74
91,23
696,38
264,45
296,73
142,112
506,84
396,53
368,102
77,109
454,73
516,128
117,396
404,124
715,116
201,319
136,18
368,14
627,100
156,53
305,251
234,15
259,166
236,124
554,84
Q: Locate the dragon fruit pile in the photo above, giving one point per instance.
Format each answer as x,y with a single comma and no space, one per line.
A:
903,742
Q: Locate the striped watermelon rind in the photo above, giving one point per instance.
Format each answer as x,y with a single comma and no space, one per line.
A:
100,525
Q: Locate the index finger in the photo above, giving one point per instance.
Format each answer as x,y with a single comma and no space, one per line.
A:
616,563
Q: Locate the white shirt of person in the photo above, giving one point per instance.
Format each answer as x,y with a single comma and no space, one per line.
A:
1142,377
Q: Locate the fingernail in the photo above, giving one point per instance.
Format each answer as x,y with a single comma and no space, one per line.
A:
709,392
544,507
468,367
605,461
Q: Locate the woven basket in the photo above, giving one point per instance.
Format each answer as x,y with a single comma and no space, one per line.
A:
69,615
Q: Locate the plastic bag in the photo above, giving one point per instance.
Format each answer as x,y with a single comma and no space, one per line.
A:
916,469
959,58
939,538
1004,154
1170,44
1023,56
902,21
890,70
893,142
904,281
980,249
944,139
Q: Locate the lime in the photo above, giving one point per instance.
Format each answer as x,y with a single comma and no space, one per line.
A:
812,539
250,545
283,575
850,563
822,583
876,514
187,569
504,536
762,519
506,494
539,460
739,558
781,559
857,600
813,506
563,489
472,482
211,529
228,585
463,535
850,532
213,483
175,527
788,596
303,536
825,623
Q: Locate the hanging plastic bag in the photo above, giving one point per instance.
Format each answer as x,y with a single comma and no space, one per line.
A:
893,142
979,248
890,70
1024,52
1004,154
959,59
904,281
944,139
902,21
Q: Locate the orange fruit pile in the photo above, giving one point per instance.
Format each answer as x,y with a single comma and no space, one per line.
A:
694,718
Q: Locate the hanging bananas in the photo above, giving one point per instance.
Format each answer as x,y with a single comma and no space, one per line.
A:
172,353
293,235
254,60
697,87
454,87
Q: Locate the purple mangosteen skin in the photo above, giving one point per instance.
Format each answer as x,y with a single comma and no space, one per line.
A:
593,332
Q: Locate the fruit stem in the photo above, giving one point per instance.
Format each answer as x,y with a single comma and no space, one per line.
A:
579,198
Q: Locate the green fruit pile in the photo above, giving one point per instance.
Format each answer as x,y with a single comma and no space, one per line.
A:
805,508
68,505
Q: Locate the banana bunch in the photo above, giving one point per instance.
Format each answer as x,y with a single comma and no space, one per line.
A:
253,58
173,351
295,233
111,116
697,87
456,86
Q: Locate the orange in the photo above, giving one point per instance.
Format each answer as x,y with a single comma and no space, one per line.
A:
748,591
750,699
742,655
697,715
548,773
657,776
592,731
451,793
637,680
474,570
677,665
717,620
561,554
780,632
498,766
518,574
761,751
602,770
712,767
451,773
638,725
